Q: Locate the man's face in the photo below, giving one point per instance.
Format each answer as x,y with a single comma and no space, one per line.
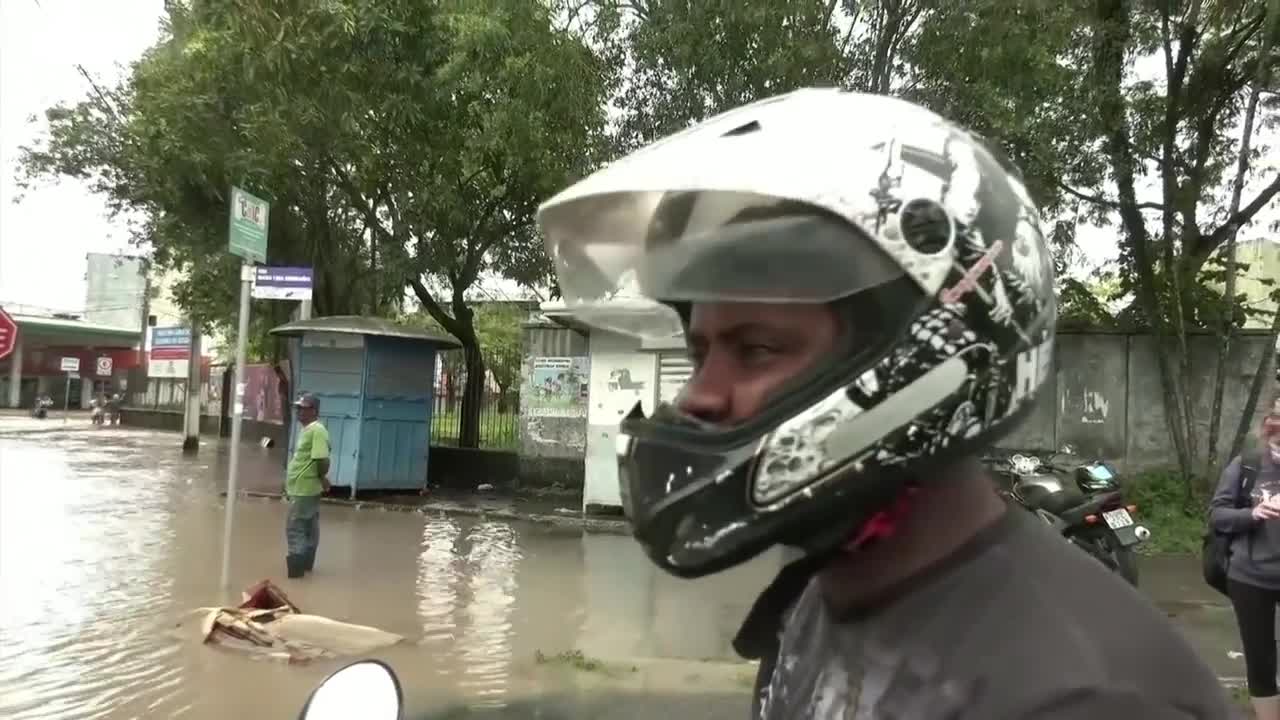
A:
306,414
743,352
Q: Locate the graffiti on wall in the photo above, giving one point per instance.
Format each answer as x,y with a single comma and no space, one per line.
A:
556,387
618,381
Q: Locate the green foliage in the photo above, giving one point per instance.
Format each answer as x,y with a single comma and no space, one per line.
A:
498,329
1080,308
1176,521
694,60
402,144
583,663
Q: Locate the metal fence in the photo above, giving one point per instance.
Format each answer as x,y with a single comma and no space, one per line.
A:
161,394
499,412
499,416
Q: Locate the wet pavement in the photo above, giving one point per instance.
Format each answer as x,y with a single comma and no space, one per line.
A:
109,537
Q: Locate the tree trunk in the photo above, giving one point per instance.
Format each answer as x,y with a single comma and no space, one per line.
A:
461,324
1229,317
1110,42
472,396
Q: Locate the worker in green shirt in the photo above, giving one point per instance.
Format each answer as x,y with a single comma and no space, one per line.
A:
307,478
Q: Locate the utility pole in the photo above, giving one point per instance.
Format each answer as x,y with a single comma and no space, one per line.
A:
146,322
242,337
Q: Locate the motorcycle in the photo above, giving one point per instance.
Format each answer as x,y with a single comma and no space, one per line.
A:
1083,502
40,410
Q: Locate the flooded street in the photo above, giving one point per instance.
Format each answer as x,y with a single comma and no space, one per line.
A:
110,538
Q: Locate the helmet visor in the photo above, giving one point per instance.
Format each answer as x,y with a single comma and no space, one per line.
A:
708,247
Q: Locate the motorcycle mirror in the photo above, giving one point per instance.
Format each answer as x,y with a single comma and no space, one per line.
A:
367,689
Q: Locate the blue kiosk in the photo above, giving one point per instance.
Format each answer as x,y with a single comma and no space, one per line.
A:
374,380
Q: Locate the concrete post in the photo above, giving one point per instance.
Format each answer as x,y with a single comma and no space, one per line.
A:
191,419
87,378
15,373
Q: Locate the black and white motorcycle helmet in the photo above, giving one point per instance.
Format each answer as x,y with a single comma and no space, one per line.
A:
926,242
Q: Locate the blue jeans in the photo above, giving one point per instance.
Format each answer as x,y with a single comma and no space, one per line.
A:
302,529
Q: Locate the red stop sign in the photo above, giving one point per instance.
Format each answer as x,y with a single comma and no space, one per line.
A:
8,334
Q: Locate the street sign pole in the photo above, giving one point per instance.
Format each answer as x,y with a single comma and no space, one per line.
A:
237,415
247,238
70,366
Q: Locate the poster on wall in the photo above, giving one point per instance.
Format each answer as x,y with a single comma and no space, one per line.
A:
557,387
618,381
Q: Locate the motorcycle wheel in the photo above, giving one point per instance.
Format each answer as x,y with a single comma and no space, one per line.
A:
1119,560
1126,562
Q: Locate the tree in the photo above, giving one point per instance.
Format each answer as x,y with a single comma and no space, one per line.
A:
1270,26
168,143
498,328
456,152
690,61
402,144
1055,86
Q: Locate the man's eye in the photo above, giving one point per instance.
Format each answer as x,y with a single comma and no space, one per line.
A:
756,353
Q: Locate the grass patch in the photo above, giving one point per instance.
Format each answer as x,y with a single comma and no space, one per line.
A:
1175,516
576,660
1240,696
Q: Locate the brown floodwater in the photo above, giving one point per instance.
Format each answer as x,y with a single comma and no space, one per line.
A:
109,538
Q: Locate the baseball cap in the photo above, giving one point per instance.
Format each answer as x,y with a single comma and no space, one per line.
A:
307,400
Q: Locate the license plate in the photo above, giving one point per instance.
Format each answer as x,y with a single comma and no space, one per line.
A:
1117,519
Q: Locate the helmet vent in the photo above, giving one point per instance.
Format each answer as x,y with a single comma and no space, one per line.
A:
744,129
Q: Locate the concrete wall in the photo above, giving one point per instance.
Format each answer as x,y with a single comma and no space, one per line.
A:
250,431
1106,398
621,376
553,435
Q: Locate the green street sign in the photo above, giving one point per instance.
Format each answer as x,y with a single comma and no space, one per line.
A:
248,233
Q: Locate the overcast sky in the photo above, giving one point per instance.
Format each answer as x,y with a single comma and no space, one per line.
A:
44,238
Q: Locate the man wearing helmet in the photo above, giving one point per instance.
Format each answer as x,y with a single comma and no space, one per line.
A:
867,299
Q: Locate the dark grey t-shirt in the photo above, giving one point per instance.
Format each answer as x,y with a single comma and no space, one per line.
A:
1018,624
1255,546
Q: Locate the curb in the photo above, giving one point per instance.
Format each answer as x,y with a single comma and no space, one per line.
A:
589,524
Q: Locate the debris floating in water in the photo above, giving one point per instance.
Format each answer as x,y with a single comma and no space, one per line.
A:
267,623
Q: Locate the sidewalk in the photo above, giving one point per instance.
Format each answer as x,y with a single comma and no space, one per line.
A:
261,474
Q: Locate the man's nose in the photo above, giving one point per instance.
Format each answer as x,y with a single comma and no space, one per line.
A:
707,399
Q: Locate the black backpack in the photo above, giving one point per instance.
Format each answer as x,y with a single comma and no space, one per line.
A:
1215,555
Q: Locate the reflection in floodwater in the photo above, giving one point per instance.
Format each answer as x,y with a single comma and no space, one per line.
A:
109,538
485,643
438,577
64,564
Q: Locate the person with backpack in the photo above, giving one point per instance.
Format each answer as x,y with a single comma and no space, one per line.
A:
1242,515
